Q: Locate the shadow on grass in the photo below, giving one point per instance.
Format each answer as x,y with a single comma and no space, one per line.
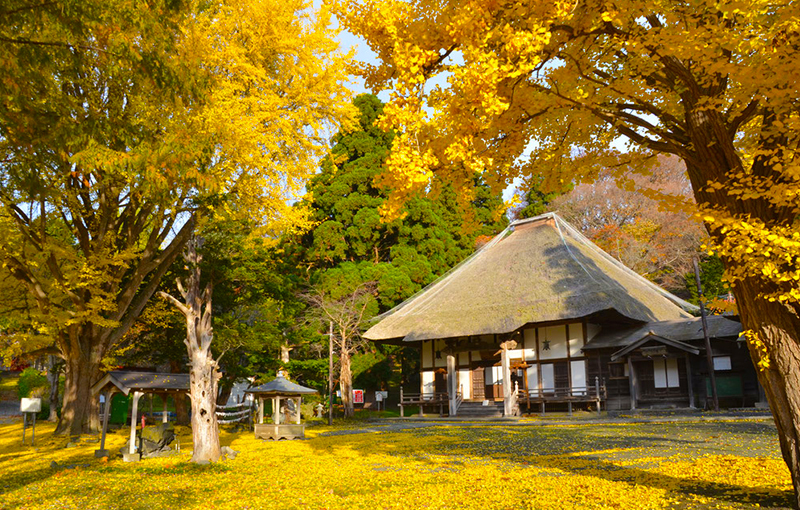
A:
586,451
595,467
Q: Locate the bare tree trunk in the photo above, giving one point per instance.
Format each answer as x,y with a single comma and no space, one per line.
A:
285,350
346,383
53,372
203,391
204,375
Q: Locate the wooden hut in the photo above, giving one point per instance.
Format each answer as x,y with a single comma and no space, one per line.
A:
140,383
279,389
514,321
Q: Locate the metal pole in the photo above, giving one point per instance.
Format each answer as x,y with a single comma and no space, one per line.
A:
709,356
330,373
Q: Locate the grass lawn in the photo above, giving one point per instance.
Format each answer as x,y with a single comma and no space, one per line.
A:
8,385
400,465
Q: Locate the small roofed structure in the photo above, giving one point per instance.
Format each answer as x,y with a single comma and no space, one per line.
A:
140,383
277,389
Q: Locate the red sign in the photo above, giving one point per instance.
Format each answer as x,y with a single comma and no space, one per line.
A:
358,396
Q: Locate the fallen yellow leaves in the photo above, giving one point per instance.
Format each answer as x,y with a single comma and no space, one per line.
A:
397,465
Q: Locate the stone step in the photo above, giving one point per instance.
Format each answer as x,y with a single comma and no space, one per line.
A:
478,410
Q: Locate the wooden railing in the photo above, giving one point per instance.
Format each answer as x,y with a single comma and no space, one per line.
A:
568,395
423,399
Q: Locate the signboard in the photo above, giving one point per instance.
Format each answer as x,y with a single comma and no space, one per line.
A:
358,396
656,350
30,405
380,396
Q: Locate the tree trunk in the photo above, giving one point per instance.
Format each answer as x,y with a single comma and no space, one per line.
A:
776,325
346,383
225,390
181,409
203,373
79,409
53,372
778,328
285,350
203,391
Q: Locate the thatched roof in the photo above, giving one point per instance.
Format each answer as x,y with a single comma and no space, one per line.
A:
681,331
537,270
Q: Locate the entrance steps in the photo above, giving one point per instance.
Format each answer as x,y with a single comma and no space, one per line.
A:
469,409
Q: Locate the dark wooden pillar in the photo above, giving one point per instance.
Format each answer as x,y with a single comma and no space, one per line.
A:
633,383
689,385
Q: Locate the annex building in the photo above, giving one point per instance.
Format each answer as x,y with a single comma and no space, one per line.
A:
541,316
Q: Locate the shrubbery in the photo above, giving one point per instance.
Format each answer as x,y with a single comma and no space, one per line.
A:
33,383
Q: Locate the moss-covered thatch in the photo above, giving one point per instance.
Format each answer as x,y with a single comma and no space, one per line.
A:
537,270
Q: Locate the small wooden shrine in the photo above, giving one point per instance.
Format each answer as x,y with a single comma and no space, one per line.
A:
140,383
285,425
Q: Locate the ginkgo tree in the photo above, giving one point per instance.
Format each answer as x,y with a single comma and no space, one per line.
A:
527,88
124,124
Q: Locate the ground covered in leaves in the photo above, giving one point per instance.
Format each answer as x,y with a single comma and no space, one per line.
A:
388,465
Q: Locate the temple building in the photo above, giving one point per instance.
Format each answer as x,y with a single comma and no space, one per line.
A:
541,316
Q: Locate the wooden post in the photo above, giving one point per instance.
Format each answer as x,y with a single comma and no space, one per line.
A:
451,383
632,383
689,385
260,410
401,400
165,416
297,410
330,375
597,392
709,355
106,412
276,411
569,408
504,363
134,411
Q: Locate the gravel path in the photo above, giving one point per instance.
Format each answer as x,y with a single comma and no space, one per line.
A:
9,408
397,425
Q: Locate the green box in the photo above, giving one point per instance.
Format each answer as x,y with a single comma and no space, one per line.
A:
727,386
119,408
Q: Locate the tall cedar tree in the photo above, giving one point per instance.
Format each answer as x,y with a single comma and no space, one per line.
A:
407,253
351,246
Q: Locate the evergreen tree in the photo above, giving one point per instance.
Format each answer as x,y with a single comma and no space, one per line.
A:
403,255
351,246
